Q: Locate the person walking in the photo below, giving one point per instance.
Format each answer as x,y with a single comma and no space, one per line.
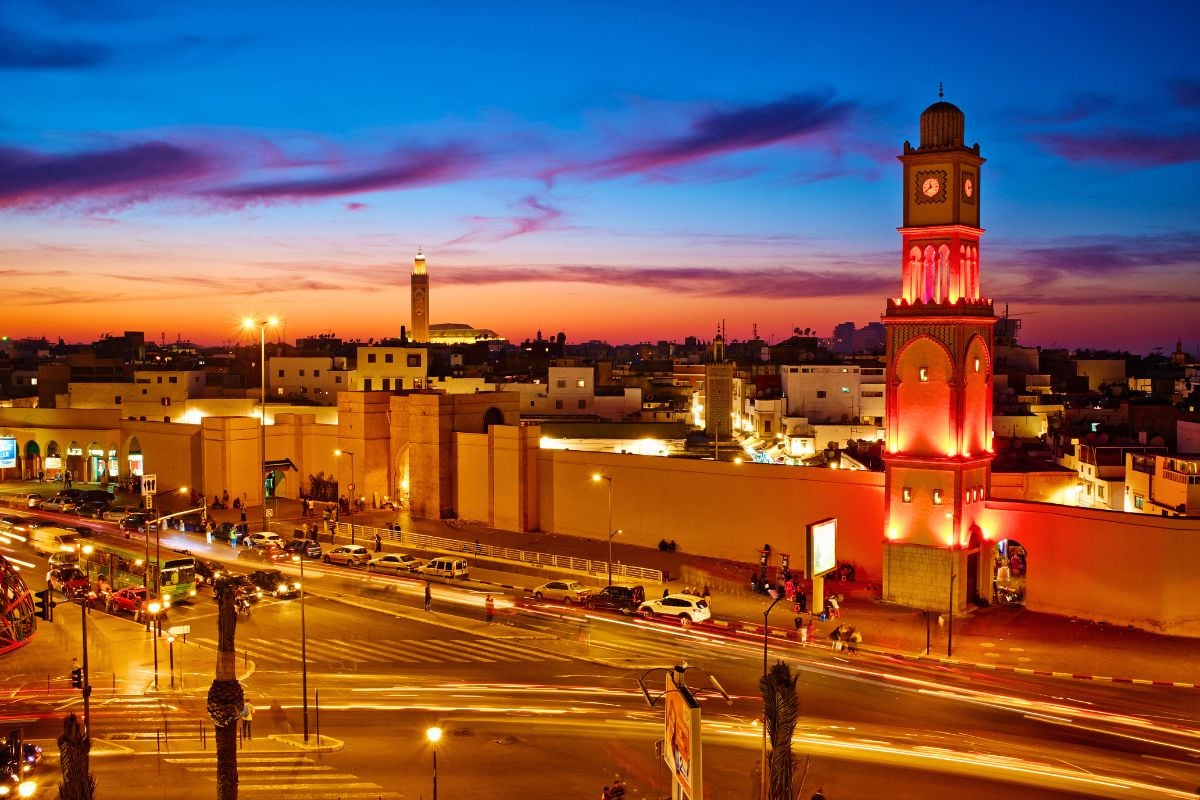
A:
378,543
489,608
428,596
802,600
247,719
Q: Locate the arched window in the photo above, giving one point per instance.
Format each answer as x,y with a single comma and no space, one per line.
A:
928,274
912,277
943,274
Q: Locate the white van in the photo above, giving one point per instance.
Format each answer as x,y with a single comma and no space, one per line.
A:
49,539
446,567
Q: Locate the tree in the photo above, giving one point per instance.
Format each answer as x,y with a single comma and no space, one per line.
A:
73,748
225,697
781,708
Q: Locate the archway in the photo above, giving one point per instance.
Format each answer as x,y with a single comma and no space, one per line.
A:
494,416
33,460
1009,569
52,465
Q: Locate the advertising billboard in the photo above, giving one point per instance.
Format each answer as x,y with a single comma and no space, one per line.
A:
822,547
681,738
8,453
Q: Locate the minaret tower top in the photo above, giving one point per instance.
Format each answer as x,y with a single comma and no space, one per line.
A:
419,263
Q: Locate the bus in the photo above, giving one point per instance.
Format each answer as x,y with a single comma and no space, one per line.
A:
124,566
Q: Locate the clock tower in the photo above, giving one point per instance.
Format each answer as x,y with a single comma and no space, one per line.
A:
419,288
939,393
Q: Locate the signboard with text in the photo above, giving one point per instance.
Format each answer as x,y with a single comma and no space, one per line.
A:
681,738
822,547
8,453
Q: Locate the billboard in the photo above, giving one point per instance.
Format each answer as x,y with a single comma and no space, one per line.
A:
822,547
8,453
681,737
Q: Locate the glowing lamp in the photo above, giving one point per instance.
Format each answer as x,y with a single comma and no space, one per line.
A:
434,735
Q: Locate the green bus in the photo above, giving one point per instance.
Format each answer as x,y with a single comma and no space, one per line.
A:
124,566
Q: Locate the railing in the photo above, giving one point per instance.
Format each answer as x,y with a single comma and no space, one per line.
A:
511,555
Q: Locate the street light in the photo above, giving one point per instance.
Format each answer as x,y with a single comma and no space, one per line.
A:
303,643
154,607
434,735
249,324
349,492
596,478
84,607
766,630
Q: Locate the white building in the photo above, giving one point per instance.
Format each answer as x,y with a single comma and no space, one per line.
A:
386,368
314,378
846,393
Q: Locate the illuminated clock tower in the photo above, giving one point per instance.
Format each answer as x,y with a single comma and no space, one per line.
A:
939,394
420,299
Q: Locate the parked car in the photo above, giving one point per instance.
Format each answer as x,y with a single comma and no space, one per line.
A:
562,591
117,513
193,523
207,572
267,553
139,521
304,547
92,508
67,580
74,494
97,496
33,500
224,532
260,538
274,582
353,555
446,567
59,503
394,562
130,599
686,608
618,597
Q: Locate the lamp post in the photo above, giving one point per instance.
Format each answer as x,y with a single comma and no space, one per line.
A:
434,735
154,607
349,492
607,479
250,324
84,607
303,644
766,639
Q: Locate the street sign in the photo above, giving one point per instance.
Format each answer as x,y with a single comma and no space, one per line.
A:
270,512
149,484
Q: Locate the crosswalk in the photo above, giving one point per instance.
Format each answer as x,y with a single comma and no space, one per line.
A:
133,717
396,651
297,777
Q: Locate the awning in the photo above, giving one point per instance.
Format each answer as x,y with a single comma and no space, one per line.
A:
279,463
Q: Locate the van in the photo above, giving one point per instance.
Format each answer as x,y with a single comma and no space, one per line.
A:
49,539
446,567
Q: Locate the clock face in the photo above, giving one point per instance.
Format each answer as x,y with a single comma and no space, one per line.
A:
931,187
969,187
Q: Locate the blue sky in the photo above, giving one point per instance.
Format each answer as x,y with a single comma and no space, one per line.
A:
617,171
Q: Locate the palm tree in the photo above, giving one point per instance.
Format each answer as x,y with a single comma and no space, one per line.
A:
781,708
225,698
73,747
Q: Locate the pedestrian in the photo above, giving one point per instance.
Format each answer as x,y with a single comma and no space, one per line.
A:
618,789
802,600
706,593
835,639
378,543
489,608
247,718
855,640
428,596
225,498
606,794
243,511
666,592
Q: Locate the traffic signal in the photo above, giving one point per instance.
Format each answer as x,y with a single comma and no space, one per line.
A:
45,605
77,678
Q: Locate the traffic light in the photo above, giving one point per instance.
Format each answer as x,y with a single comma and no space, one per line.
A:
77,678
45,605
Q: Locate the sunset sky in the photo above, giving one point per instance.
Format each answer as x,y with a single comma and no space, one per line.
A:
618,171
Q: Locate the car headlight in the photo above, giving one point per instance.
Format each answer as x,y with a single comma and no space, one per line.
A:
191,593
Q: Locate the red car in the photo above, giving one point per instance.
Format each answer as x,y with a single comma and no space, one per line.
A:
130,599
68,580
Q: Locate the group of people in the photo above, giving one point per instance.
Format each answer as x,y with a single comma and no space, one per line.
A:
845,639
614,792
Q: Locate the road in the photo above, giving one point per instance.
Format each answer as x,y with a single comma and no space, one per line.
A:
545,702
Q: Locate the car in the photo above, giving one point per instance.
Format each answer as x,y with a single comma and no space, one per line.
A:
96,496
446,567
243,589
58,503
92,508
225,531
260,538
83,531
625,598
687,608
562,591
68,581
117,513
13,524
353,555
394,562
188,523
274,582
73,494
264,552
304,547
63,558
130,599
33,500
207,572
139,521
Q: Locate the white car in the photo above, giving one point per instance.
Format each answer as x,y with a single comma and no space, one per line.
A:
263,538
33,500
562,591
684,607
59,504
395,562
349,555
118,513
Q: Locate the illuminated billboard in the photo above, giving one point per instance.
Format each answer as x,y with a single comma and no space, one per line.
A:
8,453
822,547
681,738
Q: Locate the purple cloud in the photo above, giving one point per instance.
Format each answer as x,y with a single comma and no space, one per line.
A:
122,175
22,51
1111,255
1124,148
355,206
538,216
719,132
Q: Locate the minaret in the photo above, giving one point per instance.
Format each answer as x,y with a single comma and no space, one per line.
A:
420,299
939,394
718,393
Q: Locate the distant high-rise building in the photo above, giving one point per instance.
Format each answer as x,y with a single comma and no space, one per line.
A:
420,299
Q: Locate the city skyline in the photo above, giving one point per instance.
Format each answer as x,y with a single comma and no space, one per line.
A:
611,172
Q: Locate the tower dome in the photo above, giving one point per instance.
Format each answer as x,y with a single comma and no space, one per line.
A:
942,127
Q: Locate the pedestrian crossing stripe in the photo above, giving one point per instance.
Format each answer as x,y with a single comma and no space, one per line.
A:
291,776
406,650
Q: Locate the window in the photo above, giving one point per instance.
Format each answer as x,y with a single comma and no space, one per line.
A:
301,373
937,497
316,373
166,401
820,394
845,390
387,358
387,384
117,400
160,378
370,358
414,360
281,374
906,494
303,390
580,384
145,391
977,365
924,374
367,385
583,403
337,378
766,426
1139,502
561,384
1100,492
172,379
558,404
